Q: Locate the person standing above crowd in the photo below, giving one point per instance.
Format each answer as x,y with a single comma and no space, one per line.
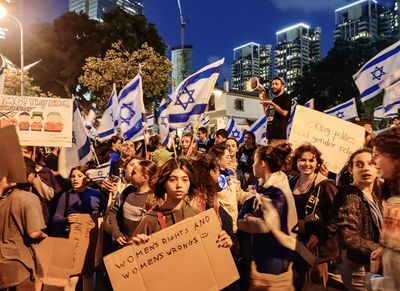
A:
277,110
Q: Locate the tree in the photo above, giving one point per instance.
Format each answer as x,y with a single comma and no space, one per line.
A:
12,85
330,80
64,45
119,66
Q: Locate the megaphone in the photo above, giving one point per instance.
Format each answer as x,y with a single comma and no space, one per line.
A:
254,85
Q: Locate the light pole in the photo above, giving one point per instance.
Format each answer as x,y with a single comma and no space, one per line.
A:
3,13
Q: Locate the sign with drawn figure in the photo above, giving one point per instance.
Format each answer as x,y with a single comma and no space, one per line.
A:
184,256
39,121
335,138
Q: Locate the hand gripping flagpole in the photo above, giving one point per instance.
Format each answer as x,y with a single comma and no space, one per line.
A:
194,132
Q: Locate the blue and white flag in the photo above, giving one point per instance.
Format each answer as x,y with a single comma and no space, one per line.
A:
376,70
234,131
204,120
109,120
163,125
101,172
188,128
379,113
346,110
259,128
90,119
80,151
391,99
131,113
292,111
309,103
150,121
191,97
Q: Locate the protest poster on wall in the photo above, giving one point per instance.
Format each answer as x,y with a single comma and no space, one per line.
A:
39,121
335,138
184,256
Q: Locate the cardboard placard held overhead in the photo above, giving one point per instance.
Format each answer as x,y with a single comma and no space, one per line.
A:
337,139
56,265
12,163
83,234
184,256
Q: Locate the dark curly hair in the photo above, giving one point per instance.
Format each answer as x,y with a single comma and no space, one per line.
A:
307,148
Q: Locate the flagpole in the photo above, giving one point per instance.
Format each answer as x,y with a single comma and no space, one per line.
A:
195,131
95,155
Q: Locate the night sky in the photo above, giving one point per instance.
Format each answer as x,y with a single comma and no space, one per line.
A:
215,27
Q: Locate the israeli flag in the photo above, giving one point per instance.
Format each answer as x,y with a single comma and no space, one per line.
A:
204,120
391,99
163,124
109,120
150,121
188,128
90,119
234,131
309,103
376,70
191,97
101,172
259,128
346,110
80,151
379,113
292,111
131,113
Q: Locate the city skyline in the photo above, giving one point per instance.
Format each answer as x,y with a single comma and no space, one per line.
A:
214,29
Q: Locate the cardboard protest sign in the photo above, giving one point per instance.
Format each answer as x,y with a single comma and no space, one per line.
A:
184,256
335,138
12,163
56,265
83,234
39,121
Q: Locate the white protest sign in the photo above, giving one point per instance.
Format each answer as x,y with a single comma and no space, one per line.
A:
184,256
39,121
335,138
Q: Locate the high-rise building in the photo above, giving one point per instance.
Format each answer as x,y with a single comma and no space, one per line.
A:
389,18
246,64
296,46
181,63
358,19
96,8
266,65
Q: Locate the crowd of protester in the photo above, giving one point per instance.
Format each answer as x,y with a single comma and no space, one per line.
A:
340,221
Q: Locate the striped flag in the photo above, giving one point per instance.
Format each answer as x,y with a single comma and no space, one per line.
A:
191,97
346,110
234,131
131,113
150,121
204,120
80,151
163,124
376,70
259,128
101,172
109,120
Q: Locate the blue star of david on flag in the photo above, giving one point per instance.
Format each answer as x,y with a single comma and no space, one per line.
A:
236,133
163,121
340,114
378,73
127,113
185,92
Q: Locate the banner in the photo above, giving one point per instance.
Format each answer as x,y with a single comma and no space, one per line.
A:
337,139
184,256
39,121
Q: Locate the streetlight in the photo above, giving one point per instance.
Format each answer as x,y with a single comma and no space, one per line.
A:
4,13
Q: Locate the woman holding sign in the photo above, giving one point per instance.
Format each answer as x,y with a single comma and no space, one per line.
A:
175,186
80,200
